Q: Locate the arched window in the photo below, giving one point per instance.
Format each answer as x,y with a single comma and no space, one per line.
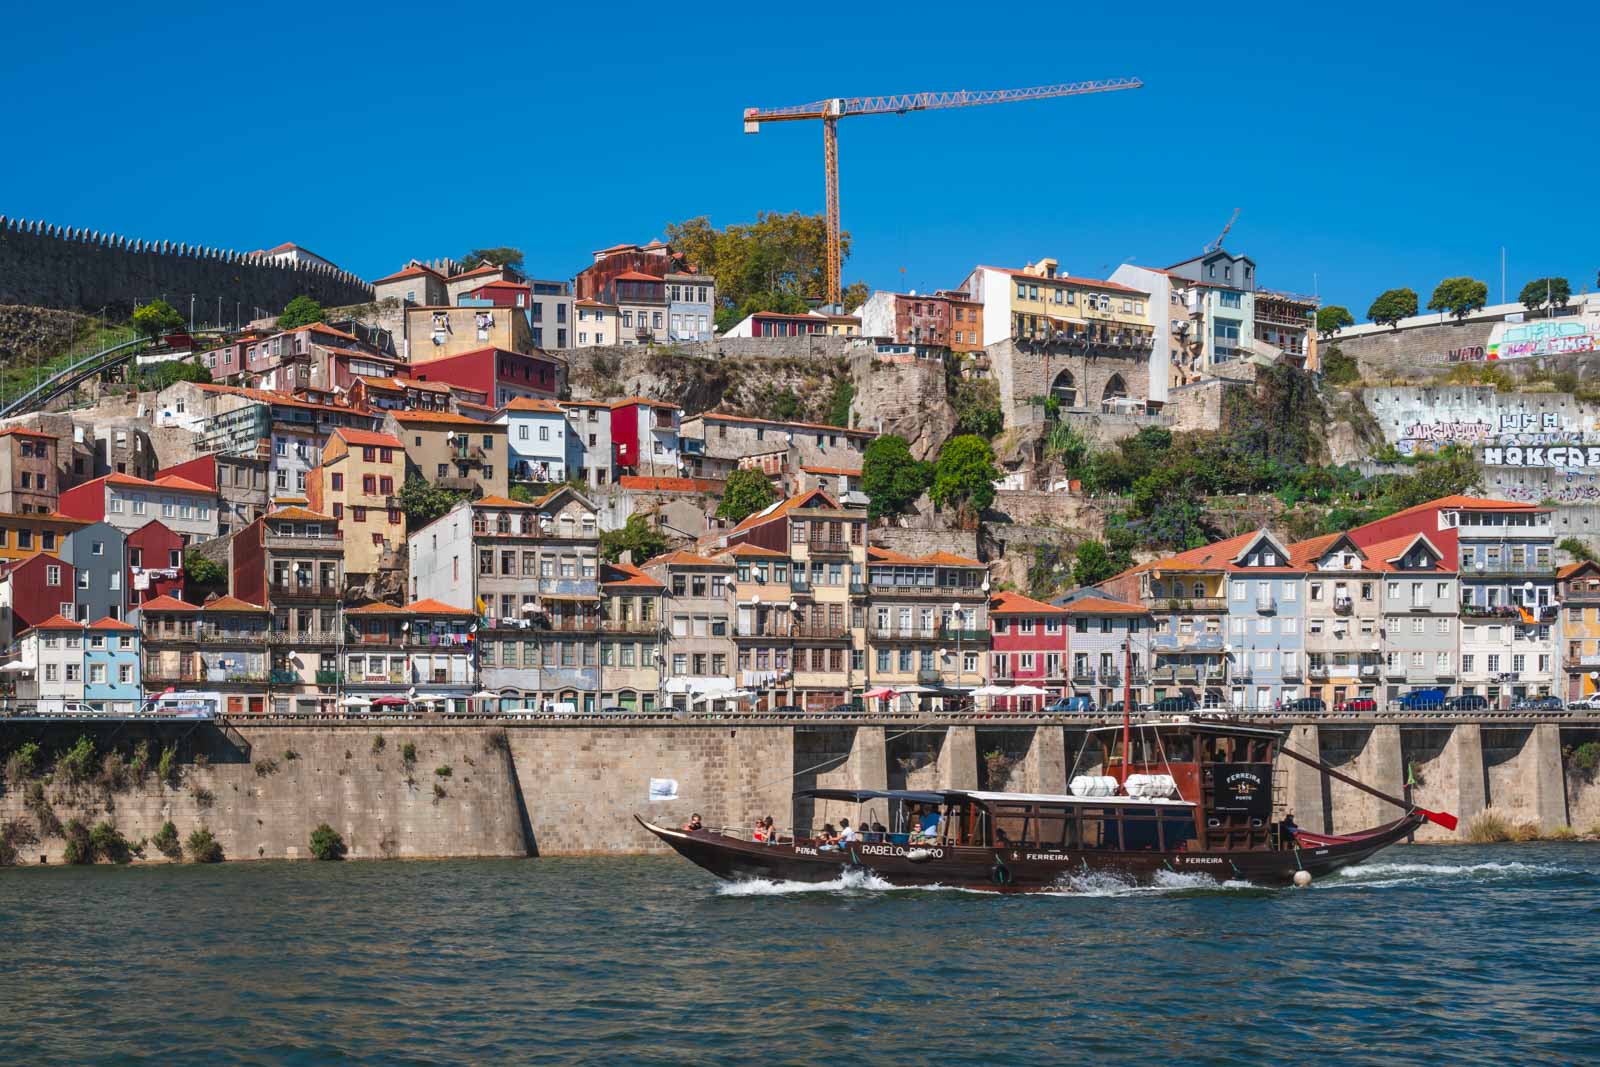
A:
1199,589
1116,388
1065,389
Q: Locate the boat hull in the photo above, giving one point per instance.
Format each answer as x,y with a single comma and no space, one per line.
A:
1014,870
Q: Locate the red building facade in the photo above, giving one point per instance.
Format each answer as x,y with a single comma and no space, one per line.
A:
40,586
155,564
503,375
1027,646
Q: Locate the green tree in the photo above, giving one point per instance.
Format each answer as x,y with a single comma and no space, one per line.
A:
156,318
855,294
1577,549
423,501
1546,292
777,253
521,494
503,256
890,477
326,844
1449,471
844,392
964,475
638,536
746,492
165,373
1332,319
1459,296
1338,368
203,571
301,311
1393,305
1091,564
977,407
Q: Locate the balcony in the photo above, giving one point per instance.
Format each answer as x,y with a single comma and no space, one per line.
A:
804,631
163,676
1343,605
1292,671
822,546
568,624
280,676
223,677
1188,674
1505,569
1186,605
1187,642
1110,677
906,633
298,543
303,591
302,638
568,586
383,678
858,588
1083,676
1266,603
1317,674
153,635
329,677
630,626
220,635
952,593
799,585
762,633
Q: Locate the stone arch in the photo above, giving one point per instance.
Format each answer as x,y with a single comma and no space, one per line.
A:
1065,389
1116,388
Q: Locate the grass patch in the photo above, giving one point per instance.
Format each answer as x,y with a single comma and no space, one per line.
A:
202,847
166,841
326,844
1487,828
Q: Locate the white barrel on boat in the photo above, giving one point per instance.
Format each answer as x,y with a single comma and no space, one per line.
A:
1151,786
1093,785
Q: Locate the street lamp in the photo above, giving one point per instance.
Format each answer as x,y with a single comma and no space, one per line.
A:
955,615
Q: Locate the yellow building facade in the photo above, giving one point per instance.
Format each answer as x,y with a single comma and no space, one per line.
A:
358,483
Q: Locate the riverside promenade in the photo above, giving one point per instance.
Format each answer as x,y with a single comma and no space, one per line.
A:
414,787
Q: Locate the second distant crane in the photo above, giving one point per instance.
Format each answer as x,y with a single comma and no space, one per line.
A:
831,111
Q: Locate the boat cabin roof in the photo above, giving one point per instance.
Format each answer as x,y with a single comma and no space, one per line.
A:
953,796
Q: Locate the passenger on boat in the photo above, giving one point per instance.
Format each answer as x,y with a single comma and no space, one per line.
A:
760,832
829,837
847,833
769,833
694,823
927,827
1288,829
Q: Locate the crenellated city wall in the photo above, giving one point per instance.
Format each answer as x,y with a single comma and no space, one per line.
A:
52,266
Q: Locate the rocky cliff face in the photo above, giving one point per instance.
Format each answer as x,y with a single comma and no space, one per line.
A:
27,332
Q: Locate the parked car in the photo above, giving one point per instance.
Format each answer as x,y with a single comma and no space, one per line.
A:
1422,700
1178,703
788,709
1306,704
1588,703
844,709
1545,703
1078,705
1115,708
1359,704
1467,702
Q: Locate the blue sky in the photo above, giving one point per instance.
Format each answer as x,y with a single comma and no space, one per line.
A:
1366,147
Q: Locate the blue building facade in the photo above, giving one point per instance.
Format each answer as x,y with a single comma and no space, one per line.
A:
1266,625
111,667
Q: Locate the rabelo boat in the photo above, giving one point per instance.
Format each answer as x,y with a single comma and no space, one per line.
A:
1185,795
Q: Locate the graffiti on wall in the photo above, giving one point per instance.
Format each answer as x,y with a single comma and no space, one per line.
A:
1510,430
1519,340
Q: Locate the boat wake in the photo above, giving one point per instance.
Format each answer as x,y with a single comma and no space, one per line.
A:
1108,884
849,882
1387,874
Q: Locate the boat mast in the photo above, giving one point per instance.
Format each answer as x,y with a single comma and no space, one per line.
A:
1127,702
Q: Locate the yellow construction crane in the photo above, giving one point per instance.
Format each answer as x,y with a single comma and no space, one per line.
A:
831,111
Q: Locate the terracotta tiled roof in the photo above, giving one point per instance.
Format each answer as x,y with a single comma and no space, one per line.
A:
643,401
22,431
1098,605
293,512
489,268
232,603
1380,554
166,481
649,483
1017,604
443,418
502,502
748,551
429,606
1466,503
619,575
528,403
369,437
267,396
1093,283
58,622
682,558
167,603
939,559
616,248
636,276
1570,569
412,270
850,472
108,623
322,327
782,508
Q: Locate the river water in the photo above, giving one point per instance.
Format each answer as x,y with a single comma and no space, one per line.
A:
1443,955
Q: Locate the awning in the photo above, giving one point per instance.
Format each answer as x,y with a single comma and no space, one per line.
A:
702,685
1027,691
390,702
355,702
878,694
991,691
856,796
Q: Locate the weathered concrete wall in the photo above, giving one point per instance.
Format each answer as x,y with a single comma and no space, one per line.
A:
380,804
924,542
1198,405
547,790
60,267
581,786
1402,353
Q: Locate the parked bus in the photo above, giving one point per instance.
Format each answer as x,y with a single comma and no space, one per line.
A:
186,705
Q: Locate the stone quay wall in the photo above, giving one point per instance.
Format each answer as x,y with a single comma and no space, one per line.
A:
526,789
61,267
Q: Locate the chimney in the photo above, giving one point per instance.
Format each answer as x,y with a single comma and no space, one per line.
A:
626,558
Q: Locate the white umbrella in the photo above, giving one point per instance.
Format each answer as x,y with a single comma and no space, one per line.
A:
485,694
16,665
355,702
1027,691
991,691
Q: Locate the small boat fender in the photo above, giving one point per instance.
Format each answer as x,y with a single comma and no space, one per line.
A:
919,855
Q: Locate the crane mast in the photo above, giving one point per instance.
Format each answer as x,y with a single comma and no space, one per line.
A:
832,110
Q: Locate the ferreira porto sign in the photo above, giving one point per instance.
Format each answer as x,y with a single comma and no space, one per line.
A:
1243,789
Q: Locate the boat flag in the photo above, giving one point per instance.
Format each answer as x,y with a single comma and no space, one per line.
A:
1411,774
